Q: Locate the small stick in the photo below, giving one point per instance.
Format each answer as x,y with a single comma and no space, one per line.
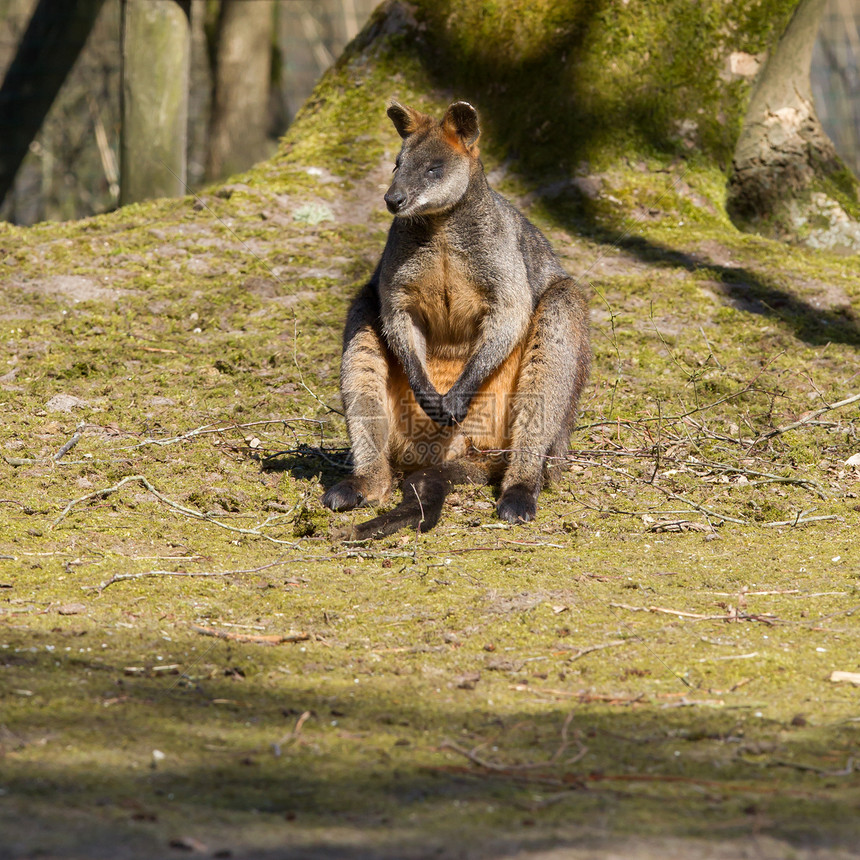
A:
293,736
418,527
661,610
19,461
708,512
803,482
207,429
79,431
301,374
126,577
800,519
846,771
257,639
695,615
591,648
811,416
760,593
710,350
657,446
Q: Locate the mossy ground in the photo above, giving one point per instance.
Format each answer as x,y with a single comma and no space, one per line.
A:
476,691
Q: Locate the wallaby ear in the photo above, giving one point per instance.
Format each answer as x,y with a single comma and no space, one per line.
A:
462,119
402,117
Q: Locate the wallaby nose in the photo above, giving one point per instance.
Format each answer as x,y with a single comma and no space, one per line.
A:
394,200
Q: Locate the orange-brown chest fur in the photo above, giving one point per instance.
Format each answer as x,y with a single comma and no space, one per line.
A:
449,307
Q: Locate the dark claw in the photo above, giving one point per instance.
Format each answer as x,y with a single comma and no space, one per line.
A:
343,497
517,505
456,406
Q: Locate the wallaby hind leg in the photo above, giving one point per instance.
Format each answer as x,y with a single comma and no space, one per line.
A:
364,377
553,371
424,495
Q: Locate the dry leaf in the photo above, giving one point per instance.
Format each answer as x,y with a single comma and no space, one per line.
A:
467,682
72,608
188,843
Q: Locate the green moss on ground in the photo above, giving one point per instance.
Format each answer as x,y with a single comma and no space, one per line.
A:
644,668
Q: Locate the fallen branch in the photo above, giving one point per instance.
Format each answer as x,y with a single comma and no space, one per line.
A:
188,512
256,639
731,616
806,419
126,577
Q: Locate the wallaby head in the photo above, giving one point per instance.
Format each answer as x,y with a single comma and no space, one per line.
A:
436,159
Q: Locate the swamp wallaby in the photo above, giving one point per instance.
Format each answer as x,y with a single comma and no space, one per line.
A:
465,354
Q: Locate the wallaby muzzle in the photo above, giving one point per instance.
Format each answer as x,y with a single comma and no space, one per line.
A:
395,200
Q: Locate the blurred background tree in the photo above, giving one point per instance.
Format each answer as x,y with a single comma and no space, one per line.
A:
835,77
252,64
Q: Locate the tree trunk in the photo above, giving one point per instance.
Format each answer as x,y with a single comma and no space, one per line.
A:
787,180
48,49
155,63
243,56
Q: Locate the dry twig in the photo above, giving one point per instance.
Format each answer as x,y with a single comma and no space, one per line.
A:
256,639
126,577
554,759
188,512
697,616
808,418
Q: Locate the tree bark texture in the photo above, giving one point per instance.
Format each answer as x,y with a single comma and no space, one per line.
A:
786,176
156,56
48,49
243,58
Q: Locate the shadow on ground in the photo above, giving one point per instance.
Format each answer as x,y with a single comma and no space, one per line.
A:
545,114
413,778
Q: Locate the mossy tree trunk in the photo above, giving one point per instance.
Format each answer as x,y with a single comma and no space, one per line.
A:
787,179
571,87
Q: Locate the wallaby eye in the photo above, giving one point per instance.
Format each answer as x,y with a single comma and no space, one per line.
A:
434,171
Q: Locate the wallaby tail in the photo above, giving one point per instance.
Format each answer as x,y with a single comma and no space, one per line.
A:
424,495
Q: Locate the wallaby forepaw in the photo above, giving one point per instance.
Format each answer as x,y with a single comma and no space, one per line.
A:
456,404
517,505
432,404
343,497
